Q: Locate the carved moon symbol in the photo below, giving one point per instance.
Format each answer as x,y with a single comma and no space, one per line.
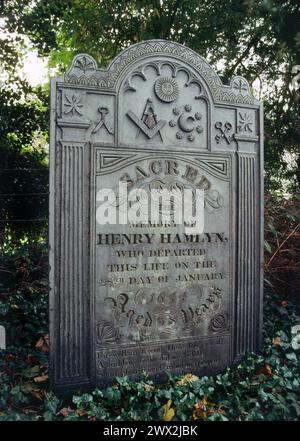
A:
184,123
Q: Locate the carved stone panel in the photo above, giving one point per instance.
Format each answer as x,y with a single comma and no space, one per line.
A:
131,297
158,285
171,106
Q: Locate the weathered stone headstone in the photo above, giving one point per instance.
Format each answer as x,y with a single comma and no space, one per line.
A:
2,337
128,298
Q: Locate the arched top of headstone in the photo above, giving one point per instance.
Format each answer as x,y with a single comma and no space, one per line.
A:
133,60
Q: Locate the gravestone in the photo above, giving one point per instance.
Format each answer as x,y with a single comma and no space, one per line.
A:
127,298
2,337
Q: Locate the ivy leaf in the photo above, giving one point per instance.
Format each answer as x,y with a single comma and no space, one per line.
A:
64,411
43,343
169,411
186,379
267,370
51,404
291,356
48,416
32,372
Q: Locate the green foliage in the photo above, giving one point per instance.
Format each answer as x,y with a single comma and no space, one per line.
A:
263,386
23,163
282,243
23,136
24,291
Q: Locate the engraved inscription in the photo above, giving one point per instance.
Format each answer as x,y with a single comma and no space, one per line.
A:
145,314
161,285
208,355
164,172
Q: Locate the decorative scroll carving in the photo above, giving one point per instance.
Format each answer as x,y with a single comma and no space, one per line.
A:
106,333
145,314
110,161
219,323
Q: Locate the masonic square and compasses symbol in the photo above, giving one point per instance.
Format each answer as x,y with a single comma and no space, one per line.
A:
148,124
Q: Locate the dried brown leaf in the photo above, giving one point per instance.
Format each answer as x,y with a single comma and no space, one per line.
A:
64,411
276,341
41,379
43,343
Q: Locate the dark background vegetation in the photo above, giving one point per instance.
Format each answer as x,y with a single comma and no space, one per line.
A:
258,39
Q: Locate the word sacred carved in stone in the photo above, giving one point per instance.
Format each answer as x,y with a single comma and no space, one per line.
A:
186,176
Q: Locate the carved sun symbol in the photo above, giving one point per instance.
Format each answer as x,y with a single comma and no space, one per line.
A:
166,89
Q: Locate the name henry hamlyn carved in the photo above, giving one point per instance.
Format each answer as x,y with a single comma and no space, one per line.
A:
149,296
133,239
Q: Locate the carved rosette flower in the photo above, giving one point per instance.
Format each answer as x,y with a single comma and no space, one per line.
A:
219,323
